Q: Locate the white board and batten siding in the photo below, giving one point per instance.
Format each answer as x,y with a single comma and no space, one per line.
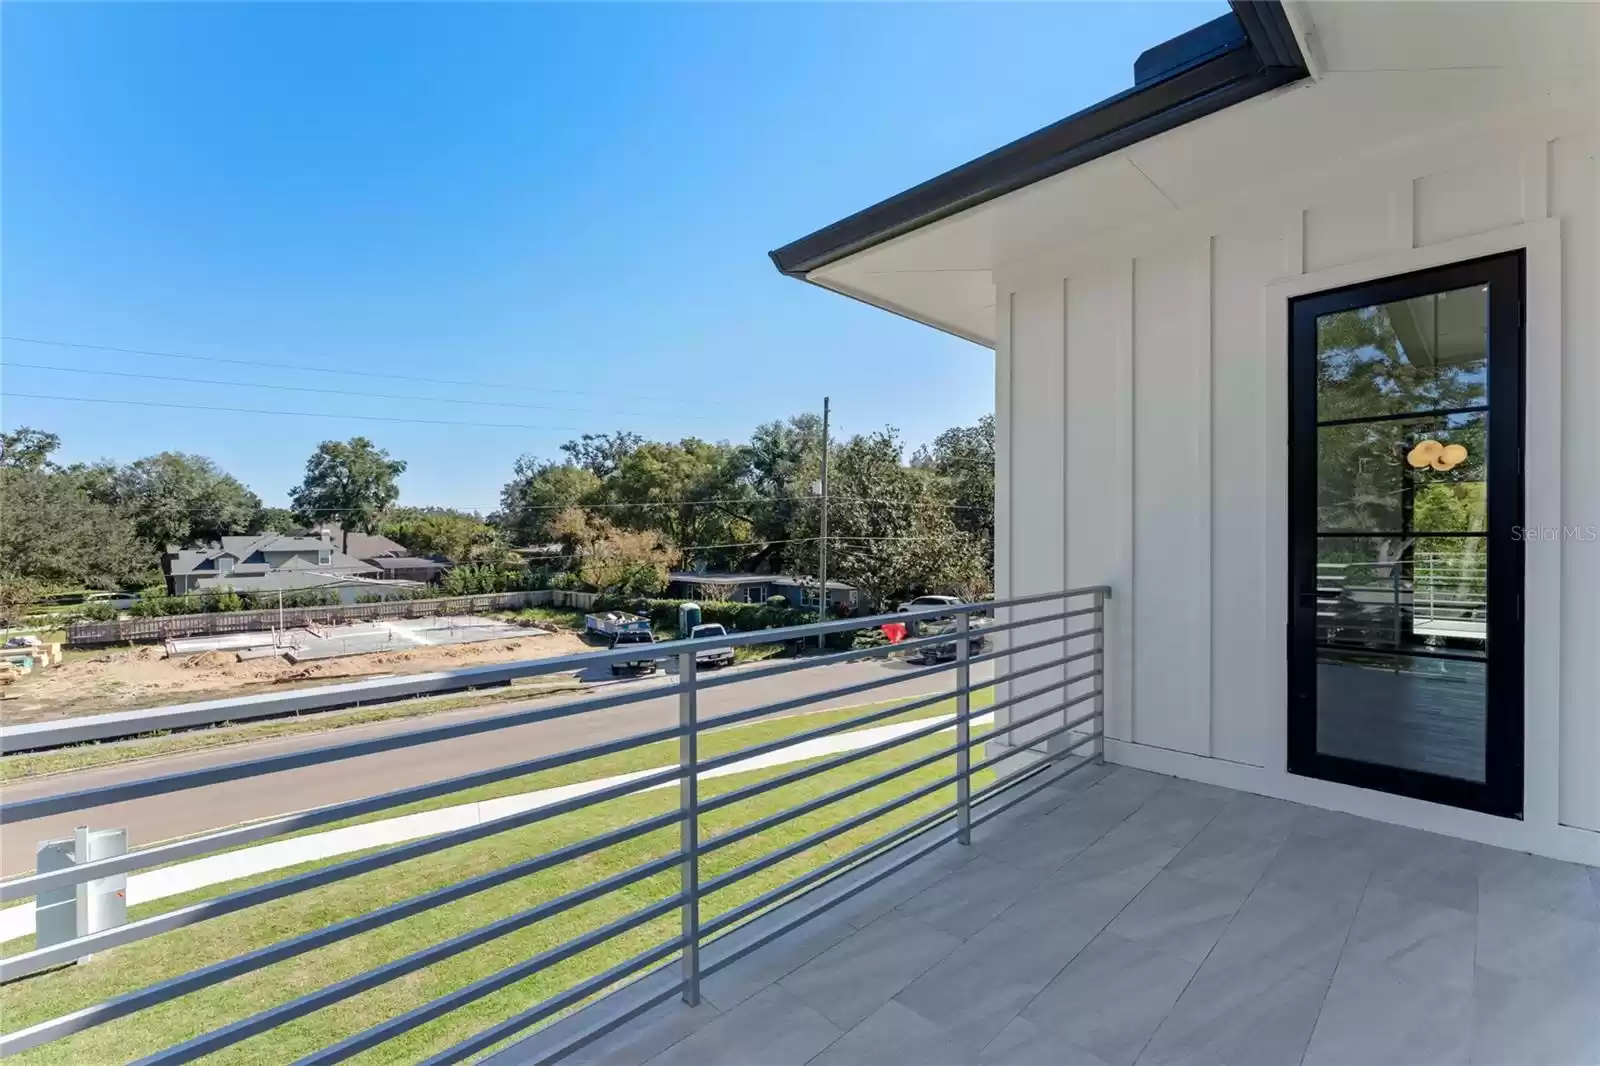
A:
1142,400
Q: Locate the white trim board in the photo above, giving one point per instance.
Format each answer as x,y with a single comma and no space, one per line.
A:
1540,238
1553,841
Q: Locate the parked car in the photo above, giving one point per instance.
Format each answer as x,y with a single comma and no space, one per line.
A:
922,602
711,656
977,642
627,638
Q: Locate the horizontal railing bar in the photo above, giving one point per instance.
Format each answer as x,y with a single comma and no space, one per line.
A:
1032,693
1000,786
856,654
1019,649
1035,790
597,1029
32,884
778,744
758,788
811,840
66,951
761,825
299,1007
829,902
814,661
1053,709
1034,669
216,973
1058,708
451,1001
571,997
61,803
794,703
1057,731
895,836
36,736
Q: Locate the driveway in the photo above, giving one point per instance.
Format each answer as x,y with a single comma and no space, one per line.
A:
159,818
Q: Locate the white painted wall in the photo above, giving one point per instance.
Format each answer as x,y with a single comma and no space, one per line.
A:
1142,417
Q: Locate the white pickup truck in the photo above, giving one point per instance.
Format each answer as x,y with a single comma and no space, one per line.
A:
711,656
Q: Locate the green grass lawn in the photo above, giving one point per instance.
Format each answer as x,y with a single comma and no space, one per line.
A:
136,965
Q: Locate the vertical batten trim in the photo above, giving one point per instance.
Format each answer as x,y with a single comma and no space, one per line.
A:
1535,167
1294,244
1403,216
1006,428
1543,709
1066,415
1204,404
1127,431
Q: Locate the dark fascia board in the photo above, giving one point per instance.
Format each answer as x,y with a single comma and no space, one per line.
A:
1267,58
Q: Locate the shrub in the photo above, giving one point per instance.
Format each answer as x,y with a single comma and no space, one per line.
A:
219,600
777,601
99,612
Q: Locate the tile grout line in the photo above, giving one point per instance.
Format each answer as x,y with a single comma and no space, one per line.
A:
1115,916
1144,1046
1365,888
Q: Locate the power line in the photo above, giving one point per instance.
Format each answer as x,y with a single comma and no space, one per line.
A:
311,388
291,414
385,375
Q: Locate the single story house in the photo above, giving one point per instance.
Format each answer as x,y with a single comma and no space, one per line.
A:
233,559
758,588
1297,347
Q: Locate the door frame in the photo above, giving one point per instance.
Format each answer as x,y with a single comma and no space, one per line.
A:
1501,792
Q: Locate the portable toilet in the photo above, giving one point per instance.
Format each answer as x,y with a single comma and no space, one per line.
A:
688,618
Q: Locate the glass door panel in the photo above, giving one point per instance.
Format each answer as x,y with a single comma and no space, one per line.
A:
1405,488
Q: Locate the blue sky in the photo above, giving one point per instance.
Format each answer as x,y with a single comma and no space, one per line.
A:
570,205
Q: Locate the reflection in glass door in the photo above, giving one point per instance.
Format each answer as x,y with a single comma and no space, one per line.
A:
1405,643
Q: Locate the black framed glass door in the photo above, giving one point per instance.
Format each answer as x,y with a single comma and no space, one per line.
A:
1405,554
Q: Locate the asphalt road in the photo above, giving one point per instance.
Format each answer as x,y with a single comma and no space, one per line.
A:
161,818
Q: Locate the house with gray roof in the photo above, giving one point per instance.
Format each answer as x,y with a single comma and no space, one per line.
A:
238,561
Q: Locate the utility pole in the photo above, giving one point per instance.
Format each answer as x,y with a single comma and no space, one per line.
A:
822,564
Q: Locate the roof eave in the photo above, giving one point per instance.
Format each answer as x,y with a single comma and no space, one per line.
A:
1268,59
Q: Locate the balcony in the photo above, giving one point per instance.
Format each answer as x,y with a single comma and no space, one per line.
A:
952,877
1123,917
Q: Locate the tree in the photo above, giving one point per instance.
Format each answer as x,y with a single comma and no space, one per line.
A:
274,520
352,481
784,459
602,453
54,532
27,448
537,493
174,498
692,493
627,562
456,535
890,533
963,460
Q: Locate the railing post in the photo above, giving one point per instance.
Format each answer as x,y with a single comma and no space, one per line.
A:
689,825
963,729
1100,674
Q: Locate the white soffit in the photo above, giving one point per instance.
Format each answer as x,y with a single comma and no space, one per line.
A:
1388,71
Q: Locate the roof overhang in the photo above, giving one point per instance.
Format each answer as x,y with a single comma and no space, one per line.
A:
1293,85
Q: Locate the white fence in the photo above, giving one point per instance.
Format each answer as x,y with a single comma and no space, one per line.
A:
168,627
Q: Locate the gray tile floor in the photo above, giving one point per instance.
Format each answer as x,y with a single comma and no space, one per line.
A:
1137,919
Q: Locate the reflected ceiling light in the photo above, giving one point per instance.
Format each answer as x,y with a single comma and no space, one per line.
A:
1431,453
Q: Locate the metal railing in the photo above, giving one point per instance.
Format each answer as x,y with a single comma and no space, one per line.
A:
1045,679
